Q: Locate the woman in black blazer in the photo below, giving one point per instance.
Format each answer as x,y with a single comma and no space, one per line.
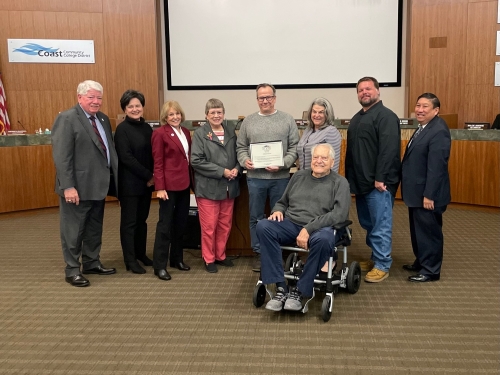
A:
135,180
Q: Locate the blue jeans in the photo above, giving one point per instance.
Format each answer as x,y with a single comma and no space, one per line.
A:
258,190
272,234
375,216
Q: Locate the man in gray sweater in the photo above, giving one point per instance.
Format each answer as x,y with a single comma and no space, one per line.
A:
267,125
314,201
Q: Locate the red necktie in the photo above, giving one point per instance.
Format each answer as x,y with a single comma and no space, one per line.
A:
94,125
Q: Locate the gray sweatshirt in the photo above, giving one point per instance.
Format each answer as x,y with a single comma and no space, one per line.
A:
279,126
315,202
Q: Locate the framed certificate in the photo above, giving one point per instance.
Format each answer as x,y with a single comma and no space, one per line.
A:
265,154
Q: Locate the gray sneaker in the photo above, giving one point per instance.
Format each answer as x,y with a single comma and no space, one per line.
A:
276,304
294,300
256,263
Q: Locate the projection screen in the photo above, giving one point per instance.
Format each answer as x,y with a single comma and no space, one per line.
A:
236,44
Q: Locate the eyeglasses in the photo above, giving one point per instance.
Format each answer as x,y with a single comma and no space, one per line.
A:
263,98
215,113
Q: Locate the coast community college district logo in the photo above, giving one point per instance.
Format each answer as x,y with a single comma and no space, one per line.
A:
34,49
55,51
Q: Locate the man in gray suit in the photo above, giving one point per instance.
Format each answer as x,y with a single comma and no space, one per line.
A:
86,171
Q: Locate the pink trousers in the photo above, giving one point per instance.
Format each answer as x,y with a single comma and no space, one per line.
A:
216,219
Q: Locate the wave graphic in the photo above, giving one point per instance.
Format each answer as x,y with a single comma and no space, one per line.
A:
33,48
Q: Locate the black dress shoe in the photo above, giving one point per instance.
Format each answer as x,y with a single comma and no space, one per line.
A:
77,280
135,268
100,270
163,275
419,278
181,266
146,261
411,267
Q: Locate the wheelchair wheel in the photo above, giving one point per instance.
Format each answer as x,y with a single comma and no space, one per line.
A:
259,295
325,308
289,262
354,278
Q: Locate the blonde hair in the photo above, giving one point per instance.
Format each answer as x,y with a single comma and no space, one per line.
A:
167,106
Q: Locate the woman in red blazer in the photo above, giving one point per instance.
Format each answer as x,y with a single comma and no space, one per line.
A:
171,145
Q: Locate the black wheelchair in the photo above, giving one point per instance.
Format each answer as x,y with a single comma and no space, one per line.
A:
348,277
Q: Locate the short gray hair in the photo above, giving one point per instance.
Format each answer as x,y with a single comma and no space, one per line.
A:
85,86
214,103
331,151
329,115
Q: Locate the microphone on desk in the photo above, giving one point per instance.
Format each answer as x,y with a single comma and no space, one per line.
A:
20,123
17,132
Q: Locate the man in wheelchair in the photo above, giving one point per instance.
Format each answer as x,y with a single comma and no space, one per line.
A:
314,200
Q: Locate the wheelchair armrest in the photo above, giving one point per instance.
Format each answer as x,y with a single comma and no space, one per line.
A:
342,225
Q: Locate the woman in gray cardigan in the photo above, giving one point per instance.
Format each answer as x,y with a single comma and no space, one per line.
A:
216,174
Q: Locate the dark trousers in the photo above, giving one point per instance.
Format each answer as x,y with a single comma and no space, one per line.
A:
426,231
173,216
81,234
133,226
272,234
258,191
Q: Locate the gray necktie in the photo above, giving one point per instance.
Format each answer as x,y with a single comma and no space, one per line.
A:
419,130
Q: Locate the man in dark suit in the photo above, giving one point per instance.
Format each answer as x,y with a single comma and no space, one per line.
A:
86,171
425,188
496,123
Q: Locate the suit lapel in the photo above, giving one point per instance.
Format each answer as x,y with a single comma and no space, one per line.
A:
423,134
171,133
90,129
106,126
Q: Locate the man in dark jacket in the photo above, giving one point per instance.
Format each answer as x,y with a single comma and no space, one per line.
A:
425,187
372,167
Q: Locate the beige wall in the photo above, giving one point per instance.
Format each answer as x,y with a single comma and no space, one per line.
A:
293,101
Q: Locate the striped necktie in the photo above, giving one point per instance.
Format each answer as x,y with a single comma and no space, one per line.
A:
94,125
416,134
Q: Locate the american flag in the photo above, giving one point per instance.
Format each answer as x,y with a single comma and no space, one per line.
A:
4,117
